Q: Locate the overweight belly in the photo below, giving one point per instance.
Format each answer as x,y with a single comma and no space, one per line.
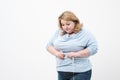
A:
70,62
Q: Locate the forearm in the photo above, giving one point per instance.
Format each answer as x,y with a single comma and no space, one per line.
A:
83,53
52,50
80,54
55,52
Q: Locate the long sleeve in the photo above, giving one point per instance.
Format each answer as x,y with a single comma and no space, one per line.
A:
92,45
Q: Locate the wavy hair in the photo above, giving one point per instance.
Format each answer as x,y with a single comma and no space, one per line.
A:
69,16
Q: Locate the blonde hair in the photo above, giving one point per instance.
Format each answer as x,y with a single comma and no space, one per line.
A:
69,16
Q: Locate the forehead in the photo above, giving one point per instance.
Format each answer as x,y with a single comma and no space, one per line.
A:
64,21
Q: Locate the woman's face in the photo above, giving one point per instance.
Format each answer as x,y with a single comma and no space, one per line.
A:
68,26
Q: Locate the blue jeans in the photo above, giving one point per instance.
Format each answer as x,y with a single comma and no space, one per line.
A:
74,76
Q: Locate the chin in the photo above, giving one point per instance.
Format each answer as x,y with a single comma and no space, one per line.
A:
68,32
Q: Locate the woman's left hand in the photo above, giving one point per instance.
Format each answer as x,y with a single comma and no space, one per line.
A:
71,54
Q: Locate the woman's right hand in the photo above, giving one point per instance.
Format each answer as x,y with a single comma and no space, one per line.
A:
55,52
60,55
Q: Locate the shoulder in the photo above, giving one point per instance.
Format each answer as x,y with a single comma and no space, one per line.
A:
86,32
58,31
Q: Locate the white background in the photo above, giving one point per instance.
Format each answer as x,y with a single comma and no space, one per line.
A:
27,25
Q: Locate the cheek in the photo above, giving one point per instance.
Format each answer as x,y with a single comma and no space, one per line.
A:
63,28
72,26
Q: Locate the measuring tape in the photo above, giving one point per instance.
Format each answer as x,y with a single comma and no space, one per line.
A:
73,67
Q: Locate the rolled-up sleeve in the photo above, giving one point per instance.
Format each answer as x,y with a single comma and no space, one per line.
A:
92,44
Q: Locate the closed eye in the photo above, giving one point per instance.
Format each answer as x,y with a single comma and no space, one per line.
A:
62,24
68,24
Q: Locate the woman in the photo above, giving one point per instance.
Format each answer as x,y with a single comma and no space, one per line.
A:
72,45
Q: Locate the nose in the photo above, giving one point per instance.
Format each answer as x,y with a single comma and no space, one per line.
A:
66,26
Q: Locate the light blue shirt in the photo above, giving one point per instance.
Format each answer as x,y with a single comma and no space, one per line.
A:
76,42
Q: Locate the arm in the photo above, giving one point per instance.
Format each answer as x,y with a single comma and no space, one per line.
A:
51,49
55,52
82,53
91,49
